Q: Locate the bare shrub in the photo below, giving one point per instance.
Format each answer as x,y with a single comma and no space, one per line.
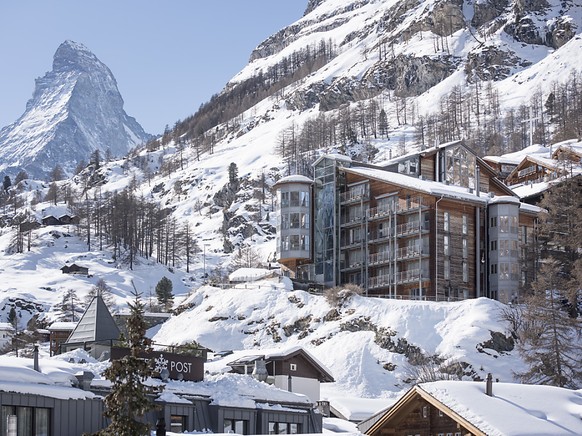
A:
339,295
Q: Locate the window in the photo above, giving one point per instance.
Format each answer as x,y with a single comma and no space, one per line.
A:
284,199
284,428
446,248
294,200
493,222
504,271
493,245
465,249
465,272
239,426
446,221
465,225
292,367
447,269
425,411
177,423
29,420
504,224
493,268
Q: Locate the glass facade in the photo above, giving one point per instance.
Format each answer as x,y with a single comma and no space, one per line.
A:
326,228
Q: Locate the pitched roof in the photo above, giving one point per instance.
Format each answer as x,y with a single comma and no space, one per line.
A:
513,409
96,324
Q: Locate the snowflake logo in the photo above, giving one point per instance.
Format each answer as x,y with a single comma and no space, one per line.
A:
160,363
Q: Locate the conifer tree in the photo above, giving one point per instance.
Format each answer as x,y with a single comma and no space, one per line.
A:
129,400
164,292
549,337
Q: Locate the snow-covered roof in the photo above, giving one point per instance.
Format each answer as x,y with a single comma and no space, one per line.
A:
6,326
249,274
426,186
224,362
17,375
516,157
63,325
513,409
294,179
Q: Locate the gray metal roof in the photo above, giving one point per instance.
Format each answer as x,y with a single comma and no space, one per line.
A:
96,324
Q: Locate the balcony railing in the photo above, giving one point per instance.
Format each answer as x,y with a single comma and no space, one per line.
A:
379,258
350,197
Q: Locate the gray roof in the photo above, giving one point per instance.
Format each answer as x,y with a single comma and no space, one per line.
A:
96,324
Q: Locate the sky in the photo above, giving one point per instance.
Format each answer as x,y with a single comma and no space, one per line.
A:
167,57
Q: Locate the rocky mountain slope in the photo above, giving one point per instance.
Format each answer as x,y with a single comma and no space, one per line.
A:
75,109
407,58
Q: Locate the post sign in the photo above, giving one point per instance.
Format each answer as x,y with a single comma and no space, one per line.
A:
178,366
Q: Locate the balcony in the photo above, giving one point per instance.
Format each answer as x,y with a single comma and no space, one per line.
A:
376,213
380,281
354,197
411,228
380,258
410,253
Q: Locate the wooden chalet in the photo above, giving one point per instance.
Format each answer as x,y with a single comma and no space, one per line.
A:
75,269
294,369
533,170
462,408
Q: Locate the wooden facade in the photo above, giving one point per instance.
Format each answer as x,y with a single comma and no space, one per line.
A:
417,413
414,228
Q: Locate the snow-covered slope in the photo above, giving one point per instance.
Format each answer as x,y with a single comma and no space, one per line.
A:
76,109
368,344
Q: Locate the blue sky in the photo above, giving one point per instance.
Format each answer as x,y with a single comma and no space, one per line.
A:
168,57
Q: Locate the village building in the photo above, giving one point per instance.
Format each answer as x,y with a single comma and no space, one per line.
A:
96,332
437,225
59,333
75,269
294,369
68,400
460,408
7,332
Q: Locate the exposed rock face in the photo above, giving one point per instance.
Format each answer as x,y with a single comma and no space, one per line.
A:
560,32
76,109
490,64
487,11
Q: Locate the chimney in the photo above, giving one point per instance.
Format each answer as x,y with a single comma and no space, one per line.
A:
84,379
35,357
489,385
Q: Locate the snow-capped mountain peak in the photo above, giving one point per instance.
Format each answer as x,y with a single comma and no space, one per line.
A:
76,108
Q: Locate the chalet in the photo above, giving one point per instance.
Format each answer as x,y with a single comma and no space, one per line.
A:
59,333
75,269
295,369
50,220
6,334
477,408
68,219
533,170
426,226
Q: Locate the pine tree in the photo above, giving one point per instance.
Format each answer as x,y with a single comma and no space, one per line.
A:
101,288
549,338
164,292
13,318
7,183
129,399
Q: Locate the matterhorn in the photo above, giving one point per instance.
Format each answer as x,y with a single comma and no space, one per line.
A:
75,110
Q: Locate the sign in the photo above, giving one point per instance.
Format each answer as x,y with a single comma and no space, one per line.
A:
178,366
